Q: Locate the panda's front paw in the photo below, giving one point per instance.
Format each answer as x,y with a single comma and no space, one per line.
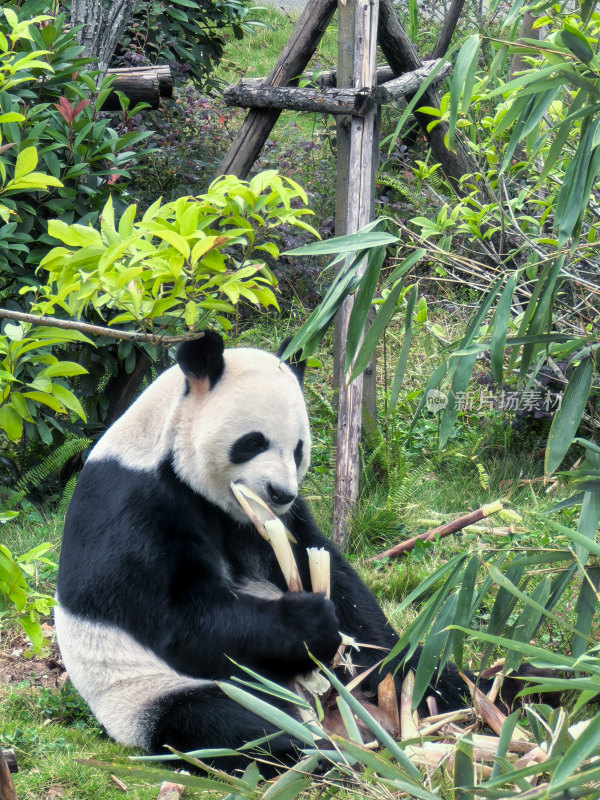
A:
312,617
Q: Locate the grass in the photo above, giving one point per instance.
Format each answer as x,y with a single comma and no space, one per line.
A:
255,56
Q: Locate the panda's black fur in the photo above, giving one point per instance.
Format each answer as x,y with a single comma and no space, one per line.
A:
161,582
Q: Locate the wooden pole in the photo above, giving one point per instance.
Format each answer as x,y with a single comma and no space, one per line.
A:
7,787
357,68
292,62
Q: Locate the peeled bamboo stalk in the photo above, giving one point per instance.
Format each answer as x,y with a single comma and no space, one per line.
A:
409,720
319,564
278,539
448,716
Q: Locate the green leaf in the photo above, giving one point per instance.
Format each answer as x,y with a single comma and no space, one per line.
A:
403,358
11,422
435,644
404,266
500,329
462,82
579,750
275,716
463,769
65,369
26,162
68,399
586,607
567,418
345,244
375,332
362,303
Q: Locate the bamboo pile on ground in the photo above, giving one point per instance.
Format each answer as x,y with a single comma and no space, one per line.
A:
432,742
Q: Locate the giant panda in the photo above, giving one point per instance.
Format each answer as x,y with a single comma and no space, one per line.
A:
163,582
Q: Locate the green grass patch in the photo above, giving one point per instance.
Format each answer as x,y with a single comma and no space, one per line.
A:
254,56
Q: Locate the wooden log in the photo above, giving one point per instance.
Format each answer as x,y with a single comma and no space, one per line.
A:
292,61
448,28
408,83
320,101
7,787
11,760
253,93
328,77
140,85
161,71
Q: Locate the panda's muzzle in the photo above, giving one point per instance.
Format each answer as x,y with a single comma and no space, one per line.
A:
279,495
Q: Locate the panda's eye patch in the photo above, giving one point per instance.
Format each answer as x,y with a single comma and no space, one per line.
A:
247,447
298,453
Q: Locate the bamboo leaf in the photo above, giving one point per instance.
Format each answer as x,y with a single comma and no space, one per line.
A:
586,607
567,418
352,243
405,265
362,304
403,359
464,605
500,328
277,717
463,769
375,332
576,754
434,645
527,622
462,82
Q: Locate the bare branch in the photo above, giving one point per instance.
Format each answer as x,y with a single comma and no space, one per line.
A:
99,330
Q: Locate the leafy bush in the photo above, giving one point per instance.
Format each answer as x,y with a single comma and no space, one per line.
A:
187,33
19,603
50,107
184,262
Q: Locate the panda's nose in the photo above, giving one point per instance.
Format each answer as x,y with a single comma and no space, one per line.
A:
280,496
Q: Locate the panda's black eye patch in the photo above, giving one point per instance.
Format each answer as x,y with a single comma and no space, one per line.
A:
298,453
247,447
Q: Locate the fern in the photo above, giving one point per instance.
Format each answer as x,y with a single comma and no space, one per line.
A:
67,495
398,185
35,476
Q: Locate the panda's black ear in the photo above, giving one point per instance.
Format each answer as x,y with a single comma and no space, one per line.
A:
202,359
294,362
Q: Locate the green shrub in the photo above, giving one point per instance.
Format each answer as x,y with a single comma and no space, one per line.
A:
20,604
52,106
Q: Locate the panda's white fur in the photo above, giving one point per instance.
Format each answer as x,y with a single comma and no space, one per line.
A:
164,586
119,679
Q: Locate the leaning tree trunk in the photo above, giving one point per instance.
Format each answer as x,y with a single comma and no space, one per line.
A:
448,29
402,57
103,24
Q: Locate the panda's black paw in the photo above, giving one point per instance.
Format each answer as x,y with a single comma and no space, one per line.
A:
312,617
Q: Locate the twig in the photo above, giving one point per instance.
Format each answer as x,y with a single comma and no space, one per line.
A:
443,530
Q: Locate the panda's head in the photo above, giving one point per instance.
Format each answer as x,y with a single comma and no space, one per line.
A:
243,418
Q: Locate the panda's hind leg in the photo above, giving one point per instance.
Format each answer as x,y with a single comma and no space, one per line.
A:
207,719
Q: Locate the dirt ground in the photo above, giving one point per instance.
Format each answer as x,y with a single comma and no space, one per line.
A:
16,665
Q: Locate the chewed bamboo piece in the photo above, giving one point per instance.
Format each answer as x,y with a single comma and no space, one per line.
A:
257,510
